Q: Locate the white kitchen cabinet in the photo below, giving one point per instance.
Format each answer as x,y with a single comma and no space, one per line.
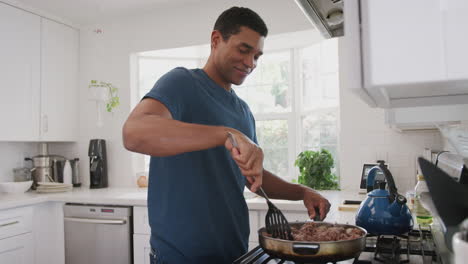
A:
141,249
59,79
398,53
255,224
48,233
19,74
38,69
23,240
17,249
457,39
16,239
141,235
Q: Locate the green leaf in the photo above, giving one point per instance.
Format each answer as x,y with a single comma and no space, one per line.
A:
315,170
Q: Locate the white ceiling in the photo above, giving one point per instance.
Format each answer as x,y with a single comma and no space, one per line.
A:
84,12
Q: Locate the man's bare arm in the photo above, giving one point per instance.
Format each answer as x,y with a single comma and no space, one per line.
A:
151,130
277,188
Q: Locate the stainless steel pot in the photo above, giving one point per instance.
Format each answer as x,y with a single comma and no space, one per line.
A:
330,251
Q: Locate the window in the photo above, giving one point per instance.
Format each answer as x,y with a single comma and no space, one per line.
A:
293,94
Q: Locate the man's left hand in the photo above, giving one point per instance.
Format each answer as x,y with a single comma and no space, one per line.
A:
314,201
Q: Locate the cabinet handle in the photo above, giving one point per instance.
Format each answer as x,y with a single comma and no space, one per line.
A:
45,121
10,223
96,221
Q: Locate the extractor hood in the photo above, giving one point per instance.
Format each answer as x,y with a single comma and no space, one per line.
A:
326,15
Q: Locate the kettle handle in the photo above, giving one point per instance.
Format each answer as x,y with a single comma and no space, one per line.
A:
390,181
388,177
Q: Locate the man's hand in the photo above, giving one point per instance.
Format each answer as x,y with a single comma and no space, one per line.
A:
248,156
314,202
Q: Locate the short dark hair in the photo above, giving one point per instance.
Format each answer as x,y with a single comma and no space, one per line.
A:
230,21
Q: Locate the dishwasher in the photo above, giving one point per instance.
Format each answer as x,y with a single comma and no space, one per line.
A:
97,234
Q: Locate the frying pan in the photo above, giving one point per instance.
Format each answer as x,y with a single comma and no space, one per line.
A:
310,252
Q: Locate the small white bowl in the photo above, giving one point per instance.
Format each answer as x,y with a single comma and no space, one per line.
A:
15,187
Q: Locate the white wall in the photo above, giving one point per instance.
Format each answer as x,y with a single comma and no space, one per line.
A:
106,57
12,155
364,137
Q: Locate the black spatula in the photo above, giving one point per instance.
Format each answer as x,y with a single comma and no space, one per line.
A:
276,223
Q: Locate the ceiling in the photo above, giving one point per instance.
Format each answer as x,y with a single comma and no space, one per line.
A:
84,12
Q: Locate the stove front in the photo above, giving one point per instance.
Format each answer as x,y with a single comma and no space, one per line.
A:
416,247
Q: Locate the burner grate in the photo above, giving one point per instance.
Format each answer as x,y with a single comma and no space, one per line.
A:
379,249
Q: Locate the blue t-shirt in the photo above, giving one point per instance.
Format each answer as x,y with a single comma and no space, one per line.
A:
197,211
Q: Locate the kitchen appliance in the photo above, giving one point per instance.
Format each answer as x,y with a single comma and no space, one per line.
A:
97,163
449,197
76,180
325,15
58,164
22,174
415,247
43,170
454,165
384,212
457,135
97,234
302,251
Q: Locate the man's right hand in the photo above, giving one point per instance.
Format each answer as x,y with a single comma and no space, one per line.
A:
249,157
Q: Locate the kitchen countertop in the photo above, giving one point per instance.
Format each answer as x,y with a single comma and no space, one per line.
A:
137,197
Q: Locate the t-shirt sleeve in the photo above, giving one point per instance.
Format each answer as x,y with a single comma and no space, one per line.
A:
254,136
173,90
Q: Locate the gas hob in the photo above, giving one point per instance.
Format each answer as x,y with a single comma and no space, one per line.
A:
417,247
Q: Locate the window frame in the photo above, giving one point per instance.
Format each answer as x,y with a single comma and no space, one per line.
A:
294,117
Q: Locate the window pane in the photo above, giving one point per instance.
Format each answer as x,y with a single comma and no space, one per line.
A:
266,89
151,69
273,139
320,130
319,75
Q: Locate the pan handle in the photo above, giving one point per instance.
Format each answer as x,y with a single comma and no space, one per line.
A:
309,249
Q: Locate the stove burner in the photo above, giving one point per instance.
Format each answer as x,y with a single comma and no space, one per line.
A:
379,249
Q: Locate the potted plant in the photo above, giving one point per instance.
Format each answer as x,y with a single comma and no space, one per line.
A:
106,92
315,170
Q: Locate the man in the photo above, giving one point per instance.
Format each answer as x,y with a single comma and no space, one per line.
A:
197,211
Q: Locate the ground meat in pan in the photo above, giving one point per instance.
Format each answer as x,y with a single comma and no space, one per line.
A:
321,232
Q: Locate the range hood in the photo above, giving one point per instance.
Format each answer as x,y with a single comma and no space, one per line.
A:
326,15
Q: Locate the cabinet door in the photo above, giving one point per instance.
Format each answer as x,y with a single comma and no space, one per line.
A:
59,71
255,224
17,249
141,249
19,74
456,40
402,42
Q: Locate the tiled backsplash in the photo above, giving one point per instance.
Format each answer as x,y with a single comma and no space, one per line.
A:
12,155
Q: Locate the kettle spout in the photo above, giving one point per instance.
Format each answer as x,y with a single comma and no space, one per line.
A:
397,206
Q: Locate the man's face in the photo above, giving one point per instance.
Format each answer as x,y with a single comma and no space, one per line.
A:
237,57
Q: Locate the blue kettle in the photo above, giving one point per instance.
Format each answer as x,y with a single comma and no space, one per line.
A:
384,212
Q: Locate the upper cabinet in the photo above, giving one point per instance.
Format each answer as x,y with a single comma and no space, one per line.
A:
39,71
19,74
59,73
407,53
